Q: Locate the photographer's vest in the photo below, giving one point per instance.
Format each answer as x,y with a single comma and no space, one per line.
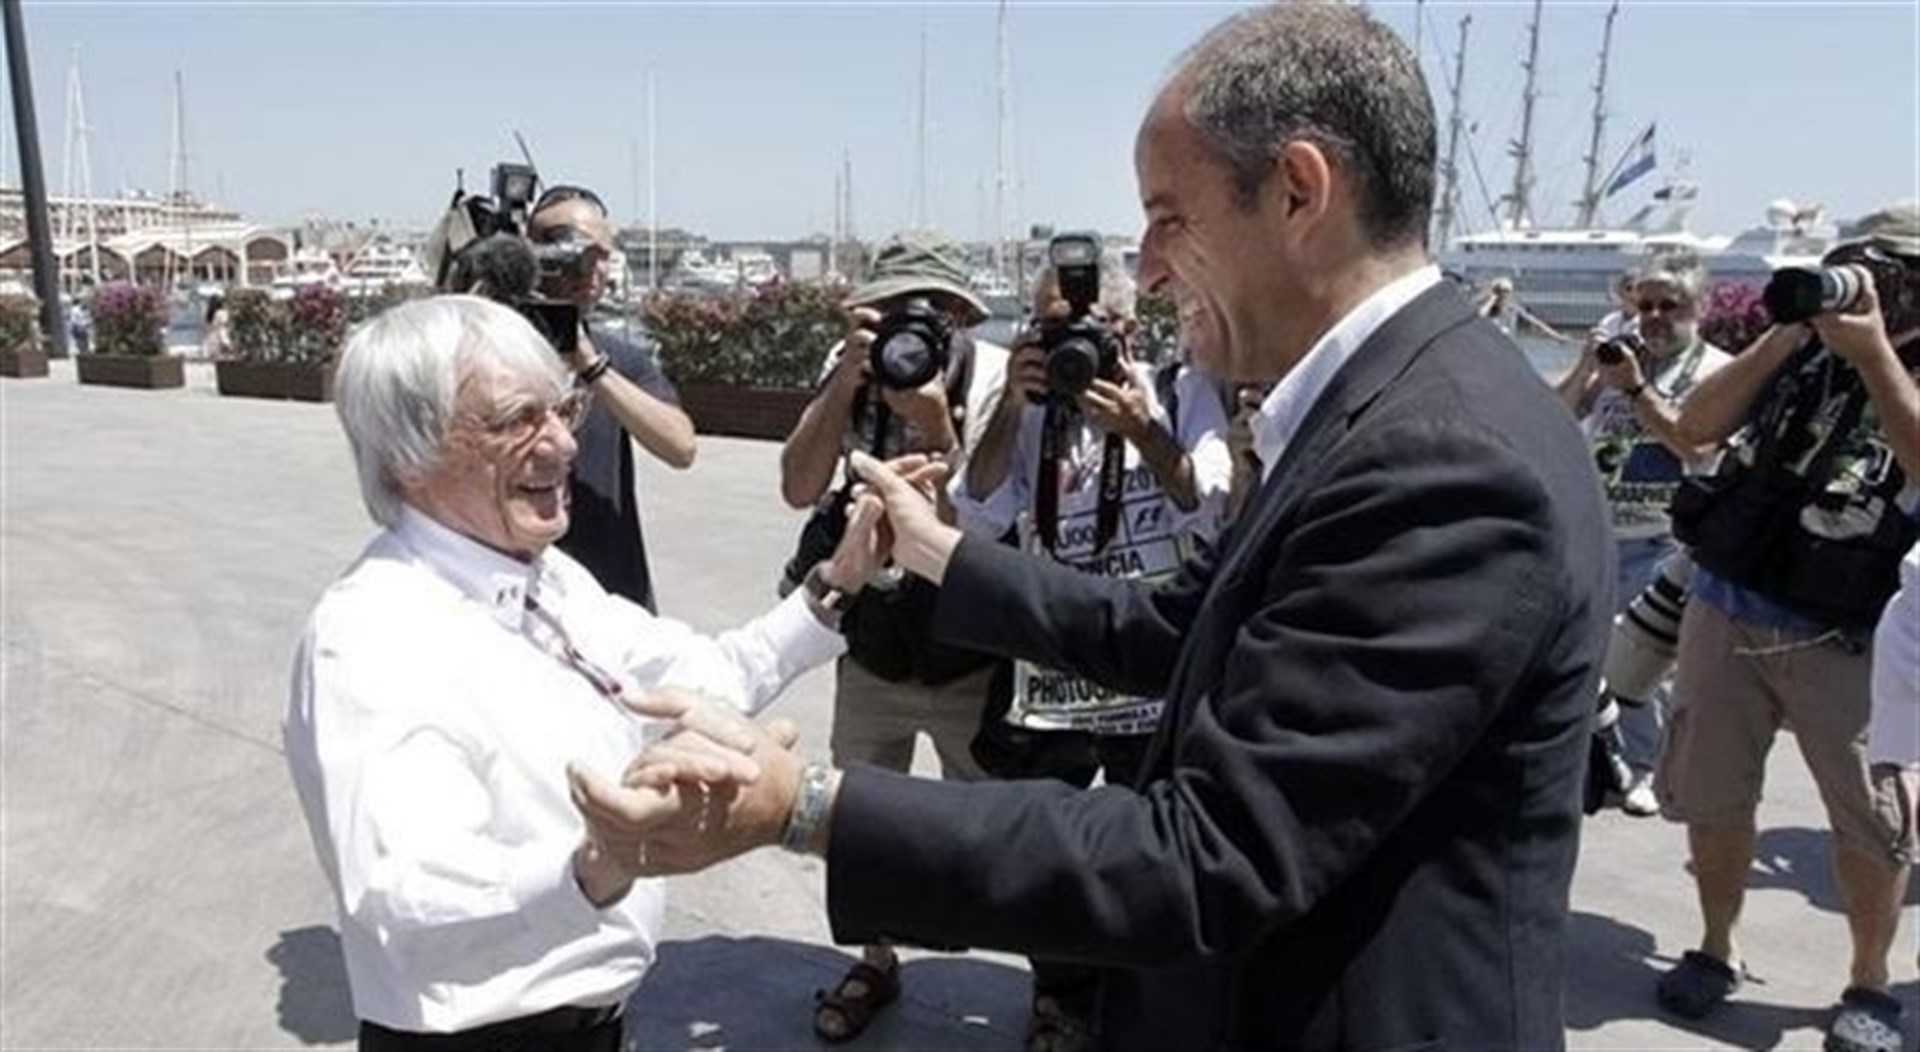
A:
886,627
1145,547
1809,509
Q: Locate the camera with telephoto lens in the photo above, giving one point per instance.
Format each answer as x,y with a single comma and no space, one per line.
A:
1079,348
910,345
1615,351
1795,294
481,247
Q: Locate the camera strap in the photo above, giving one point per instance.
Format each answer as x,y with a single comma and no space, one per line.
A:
1046,496
1054,428
1113,475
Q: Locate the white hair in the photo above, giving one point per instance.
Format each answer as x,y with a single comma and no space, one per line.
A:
1118,291
401,372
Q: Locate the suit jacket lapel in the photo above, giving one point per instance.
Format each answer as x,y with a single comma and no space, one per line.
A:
1385,355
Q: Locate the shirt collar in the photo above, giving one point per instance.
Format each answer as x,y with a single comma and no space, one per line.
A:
1287,404
496,581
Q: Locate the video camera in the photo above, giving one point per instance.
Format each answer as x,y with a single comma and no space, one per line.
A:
1796,294
481,246
1079,347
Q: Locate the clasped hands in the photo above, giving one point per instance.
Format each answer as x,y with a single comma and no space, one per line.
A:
717,785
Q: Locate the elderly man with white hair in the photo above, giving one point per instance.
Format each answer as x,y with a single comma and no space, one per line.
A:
462,673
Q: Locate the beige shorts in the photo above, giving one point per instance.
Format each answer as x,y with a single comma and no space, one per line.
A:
1734,688
875,721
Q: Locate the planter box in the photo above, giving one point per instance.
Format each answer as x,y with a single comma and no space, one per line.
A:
299,381
25,363
131,370
743,412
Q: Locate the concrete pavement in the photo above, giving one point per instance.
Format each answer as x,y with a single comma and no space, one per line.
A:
158,554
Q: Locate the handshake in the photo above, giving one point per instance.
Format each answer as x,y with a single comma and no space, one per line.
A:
717,786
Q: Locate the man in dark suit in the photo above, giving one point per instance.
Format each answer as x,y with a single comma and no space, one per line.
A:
1359,818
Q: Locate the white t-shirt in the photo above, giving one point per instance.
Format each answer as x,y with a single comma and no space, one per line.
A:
1638,471
1893,734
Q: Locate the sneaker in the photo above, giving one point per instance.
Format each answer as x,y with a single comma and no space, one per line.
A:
1639,800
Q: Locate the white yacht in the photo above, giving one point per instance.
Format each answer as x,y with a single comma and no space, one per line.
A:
1564,277
695,273
381,264
309,266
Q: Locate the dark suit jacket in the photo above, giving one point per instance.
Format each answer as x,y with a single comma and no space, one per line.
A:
1359,820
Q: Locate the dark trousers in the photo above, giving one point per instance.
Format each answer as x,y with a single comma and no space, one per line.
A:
564,1029
1071,984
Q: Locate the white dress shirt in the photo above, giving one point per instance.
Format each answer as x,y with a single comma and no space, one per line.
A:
431,721
1287,404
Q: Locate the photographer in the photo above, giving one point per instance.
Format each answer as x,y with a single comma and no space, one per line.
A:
1626,391
631,397
895,681
1798,538
1176,472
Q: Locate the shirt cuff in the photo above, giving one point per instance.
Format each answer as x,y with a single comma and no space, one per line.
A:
799,642
541,883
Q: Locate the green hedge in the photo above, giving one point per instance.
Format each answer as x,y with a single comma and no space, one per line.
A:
19,323
777,336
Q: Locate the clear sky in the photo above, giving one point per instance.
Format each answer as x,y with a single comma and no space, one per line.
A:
360,111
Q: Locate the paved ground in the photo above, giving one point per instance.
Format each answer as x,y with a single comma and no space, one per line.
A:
158,551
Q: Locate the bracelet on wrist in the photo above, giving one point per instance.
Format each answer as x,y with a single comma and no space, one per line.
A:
595,371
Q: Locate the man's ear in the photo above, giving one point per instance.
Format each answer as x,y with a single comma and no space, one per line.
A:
1302,182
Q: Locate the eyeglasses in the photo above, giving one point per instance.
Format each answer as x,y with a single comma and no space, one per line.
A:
518,427
1663,306
559,195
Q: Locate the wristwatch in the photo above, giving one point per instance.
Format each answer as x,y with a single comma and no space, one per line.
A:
827,602
1634,391
809,808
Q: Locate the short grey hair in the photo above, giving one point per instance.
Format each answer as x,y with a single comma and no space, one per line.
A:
1118,292
1328,74
1681,270
400,376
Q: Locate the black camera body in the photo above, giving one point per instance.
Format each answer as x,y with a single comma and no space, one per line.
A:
1615,351
1079,348
496,259
1796,294
911,345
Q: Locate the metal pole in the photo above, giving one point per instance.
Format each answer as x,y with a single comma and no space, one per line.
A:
46,276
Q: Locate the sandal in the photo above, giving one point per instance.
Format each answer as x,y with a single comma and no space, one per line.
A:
1697,985
879,987
1868,1021
1051,1028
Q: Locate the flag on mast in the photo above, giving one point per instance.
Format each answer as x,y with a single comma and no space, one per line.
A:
1636,162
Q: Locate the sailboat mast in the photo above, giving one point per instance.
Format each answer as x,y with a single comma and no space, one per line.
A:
1450,190
1519,210
920,137
1590,193
1000,143
653,199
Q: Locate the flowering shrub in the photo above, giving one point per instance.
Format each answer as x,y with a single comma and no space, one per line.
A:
129,319
777,336
1158,338
309,328
1733,316
19,323
316,324
255,325
366,306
